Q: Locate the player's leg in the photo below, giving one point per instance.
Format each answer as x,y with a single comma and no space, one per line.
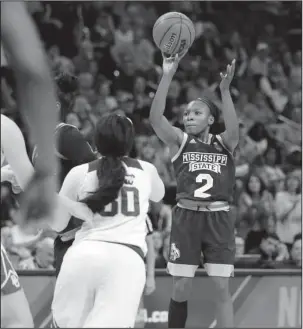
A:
121,283
219,255
184,259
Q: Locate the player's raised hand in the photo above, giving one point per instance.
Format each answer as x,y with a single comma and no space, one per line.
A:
170,64
227,77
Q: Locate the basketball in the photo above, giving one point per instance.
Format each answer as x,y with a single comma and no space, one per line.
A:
173,33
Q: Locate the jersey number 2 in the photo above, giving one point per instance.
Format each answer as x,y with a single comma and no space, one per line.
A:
130,205
209,183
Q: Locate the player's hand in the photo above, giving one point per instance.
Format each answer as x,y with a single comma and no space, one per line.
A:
150,285
7,175
170,64
227,77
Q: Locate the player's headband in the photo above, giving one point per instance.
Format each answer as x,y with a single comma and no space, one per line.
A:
214,110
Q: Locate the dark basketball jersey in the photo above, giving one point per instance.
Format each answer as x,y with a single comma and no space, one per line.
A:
72,150
204,171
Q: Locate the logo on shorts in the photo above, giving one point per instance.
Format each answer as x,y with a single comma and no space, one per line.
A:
174,252
14,278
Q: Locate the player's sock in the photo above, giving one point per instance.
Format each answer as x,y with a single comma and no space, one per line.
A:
177,314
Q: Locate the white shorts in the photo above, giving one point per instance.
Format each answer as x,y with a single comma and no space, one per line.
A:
100,285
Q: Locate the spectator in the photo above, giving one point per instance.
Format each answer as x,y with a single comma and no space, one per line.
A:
288,205
143,50
43,256
142,100
255,206
296,250
234,49
102,33
84,57
124,76
258,138
104,101
86,119
209,45
254,108
85,86
59,63
124,33
270,171
258,65
272,250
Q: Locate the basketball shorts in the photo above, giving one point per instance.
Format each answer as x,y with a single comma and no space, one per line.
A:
196,232
100,285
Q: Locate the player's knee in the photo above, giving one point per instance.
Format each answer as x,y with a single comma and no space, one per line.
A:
181,288
222,288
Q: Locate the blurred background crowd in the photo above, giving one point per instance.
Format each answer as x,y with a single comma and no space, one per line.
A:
109,47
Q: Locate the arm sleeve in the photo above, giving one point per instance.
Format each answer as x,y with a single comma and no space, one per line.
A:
68,205
73,146
157,186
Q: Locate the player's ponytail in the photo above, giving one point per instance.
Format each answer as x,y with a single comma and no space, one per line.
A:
111,174
114,139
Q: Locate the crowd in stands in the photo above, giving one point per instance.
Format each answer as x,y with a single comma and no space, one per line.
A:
109,47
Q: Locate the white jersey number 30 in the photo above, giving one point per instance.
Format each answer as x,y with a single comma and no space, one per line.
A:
209,183
130,206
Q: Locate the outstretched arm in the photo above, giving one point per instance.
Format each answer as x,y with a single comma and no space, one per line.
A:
14,150
35,88
231,135
170,135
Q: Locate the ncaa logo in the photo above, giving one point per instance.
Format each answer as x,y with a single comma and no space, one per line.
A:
174,252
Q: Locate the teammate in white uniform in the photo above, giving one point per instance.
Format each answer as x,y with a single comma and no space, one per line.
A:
103,273
14,152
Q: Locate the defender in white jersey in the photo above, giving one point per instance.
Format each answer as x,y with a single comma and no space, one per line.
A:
103,273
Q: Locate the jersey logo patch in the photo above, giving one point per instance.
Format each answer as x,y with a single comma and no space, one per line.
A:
192,142
205,161
174,252
129,179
